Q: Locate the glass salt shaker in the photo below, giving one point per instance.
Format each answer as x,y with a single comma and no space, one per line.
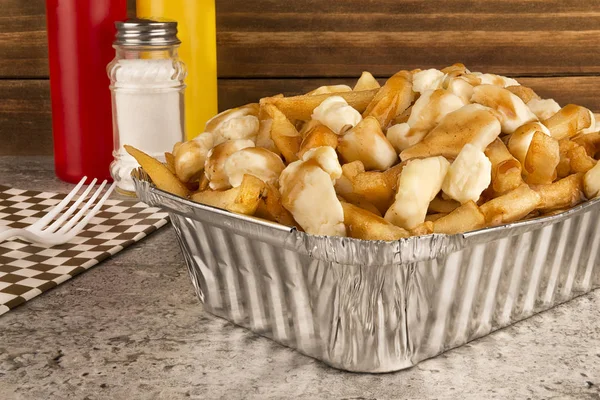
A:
147,86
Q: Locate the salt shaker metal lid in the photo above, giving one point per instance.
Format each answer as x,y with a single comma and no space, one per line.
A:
146,32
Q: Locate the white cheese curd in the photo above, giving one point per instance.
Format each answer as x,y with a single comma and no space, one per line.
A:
367,143
307,192
543,108
591,182
214,167
419,182
498,80
429,79
512,110
426,114
461,88
327,159
468,176
257,161
519,141
335,113
233,124
191,156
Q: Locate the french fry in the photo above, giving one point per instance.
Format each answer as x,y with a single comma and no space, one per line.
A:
523,92
366,82
542,159
424,228
170,161
284,134
329,89
360,202
270,207
568,121
439,205
301,107
159,173
511,206
563,169
580,160
561,194
591,182
243,199
362,224
506,170
203,183
434,217
402,117
391,99
378,188
318,136
590,142
465,218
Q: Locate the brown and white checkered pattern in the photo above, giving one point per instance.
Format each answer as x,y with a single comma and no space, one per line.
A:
27,270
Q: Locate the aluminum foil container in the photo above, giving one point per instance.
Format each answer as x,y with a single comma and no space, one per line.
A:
374,306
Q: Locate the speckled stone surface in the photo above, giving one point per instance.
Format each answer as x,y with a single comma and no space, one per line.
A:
132,328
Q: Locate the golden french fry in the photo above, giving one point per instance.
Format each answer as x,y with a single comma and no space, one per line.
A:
542,159
424,228
301,107
391,99
329,89
270,207
563,169
170,161
203,183
439,205
366,82
158,172
590,142
523,92
568,121
243,199
465,218
561,194
362,224
378,188
435,217
580,160
284,134
360,202
506,170
367,143
318,136
511,206
402,117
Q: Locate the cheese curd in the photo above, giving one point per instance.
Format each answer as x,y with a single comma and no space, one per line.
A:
419,182
468,176
429,79
461,88
367,143
307,192
214,167
493,79
257,161
543,108
234,124
512,111
519,141
191,156
591,182
335,113
427,112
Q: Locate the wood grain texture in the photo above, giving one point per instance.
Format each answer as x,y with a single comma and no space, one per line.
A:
315,38
25,119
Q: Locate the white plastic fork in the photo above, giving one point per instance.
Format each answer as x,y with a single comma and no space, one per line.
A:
64,228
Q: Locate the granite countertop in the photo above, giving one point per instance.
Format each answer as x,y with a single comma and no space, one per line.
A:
132,328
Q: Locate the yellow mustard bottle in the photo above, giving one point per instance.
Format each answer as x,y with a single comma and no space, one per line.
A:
197,32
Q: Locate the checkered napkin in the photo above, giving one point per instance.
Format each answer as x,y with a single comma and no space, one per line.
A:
27,270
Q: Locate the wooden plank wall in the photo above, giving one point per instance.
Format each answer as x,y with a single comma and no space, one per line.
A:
274,46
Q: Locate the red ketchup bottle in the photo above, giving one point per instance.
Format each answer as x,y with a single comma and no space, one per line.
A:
80,36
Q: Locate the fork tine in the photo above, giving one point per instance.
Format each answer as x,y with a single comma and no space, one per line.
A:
82,211
71,209
58,208
91,214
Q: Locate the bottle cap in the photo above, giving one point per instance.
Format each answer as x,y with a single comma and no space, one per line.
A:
146,32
